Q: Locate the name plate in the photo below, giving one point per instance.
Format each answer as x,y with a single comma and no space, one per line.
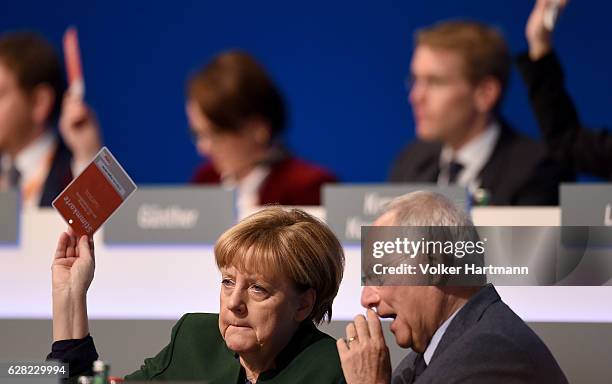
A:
9,219
349,207
588,206
172,215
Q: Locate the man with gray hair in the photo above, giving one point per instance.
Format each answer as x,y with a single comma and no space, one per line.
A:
456,333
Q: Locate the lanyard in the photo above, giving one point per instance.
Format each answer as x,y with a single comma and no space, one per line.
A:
32,187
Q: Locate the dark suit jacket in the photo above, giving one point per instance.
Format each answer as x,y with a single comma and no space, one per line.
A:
59,176
580,149
198,352
486,342
517,173
291,181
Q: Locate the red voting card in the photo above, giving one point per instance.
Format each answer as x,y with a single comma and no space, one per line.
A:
90,199
72,57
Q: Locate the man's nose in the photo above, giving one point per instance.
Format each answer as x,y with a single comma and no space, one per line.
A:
417,93
369,297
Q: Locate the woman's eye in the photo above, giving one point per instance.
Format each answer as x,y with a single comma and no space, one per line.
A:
258,289
227,282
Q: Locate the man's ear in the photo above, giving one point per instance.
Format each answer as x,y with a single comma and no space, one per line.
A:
42,99
487,94
435,259
305,304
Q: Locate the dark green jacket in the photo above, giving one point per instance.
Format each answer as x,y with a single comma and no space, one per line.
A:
197,352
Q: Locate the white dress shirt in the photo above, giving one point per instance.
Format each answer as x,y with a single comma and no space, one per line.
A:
247,189
435,340
33,163
472,156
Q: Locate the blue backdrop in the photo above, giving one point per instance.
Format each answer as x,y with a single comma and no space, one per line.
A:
341,66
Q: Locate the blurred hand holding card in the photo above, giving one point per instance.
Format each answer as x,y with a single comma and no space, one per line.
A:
72,57
90,199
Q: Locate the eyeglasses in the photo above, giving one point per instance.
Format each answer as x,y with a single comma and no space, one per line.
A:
199,136
430,82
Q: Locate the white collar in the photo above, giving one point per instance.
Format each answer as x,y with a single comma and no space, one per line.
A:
30,159
248,187
473,155
435,340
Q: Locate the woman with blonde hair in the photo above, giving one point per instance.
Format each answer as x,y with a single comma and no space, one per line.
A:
280,270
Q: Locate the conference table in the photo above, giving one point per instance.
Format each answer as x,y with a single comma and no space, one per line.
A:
165,281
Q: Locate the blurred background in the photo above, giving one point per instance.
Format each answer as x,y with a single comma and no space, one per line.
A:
342,67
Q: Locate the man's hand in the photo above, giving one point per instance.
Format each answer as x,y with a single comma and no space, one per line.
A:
364,354
79,129
538,36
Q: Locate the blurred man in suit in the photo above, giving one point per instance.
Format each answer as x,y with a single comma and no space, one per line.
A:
459,72
582,150
33,157
458,333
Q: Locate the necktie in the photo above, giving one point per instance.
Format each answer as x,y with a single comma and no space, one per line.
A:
419,366
453,171
14,177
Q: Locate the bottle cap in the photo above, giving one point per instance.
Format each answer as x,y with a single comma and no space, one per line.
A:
98,366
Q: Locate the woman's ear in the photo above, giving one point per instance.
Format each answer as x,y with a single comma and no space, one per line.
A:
259,129
305,304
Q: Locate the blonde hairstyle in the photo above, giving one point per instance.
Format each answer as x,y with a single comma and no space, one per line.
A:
293,244
483,48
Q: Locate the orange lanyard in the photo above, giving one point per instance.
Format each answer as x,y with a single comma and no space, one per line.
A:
33,187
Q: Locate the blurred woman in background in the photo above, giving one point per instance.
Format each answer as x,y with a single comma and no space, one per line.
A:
236,115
